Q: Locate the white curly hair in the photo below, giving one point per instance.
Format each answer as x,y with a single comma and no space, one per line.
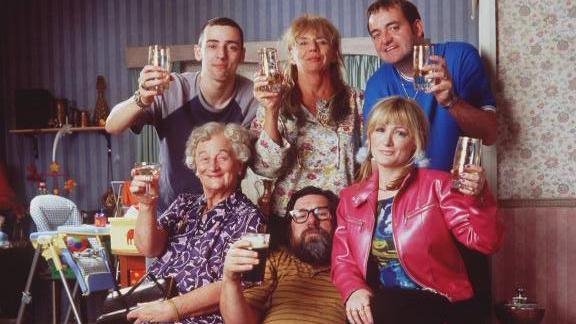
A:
239,137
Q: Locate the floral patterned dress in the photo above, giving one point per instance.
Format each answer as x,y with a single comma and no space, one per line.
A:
314,154
196,249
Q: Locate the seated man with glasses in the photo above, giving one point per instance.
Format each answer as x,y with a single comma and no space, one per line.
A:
297,286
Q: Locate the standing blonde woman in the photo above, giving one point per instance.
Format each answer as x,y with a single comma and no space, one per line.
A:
309,131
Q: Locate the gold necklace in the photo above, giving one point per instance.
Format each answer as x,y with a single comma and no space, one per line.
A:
402,84
323,112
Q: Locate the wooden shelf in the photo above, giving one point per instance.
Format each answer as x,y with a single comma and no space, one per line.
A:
55,130
34,132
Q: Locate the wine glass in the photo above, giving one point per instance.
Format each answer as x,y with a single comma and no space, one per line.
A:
422,52
149,169
468,152
160,56
268,66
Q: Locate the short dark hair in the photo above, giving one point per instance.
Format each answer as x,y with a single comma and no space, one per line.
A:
280,227
311,190
222,21
408,9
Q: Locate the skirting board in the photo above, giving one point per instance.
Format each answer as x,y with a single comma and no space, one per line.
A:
536,203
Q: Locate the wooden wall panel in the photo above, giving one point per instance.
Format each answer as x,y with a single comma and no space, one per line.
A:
539,254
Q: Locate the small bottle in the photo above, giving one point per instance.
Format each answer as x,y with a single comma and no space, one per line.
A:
84,119
42,189
100,219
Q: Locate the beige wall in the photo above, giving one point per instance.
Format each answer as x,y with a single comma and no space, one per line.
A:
537,99
536,92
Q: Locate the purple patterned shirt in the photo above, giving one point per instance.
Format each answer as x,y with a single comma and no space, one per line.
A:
196,250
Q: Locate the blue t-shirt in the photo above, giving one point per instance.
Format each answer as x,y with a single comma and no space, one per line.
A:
175,114
470,83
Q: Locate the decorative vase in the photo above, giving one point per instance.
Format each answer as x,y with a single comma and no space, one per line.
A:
265,197
101,109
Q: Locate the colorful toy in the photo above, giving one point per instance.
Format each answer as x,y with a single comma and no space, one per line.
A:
76,243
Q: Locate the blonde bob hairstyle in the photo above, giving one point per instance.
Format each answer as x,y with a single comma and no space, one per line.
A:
401,111
239,137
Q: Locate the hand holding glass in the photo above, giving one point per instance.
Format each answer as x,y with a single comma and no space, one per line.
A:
468,152
268,66
160,56
148,169
259,243
422,53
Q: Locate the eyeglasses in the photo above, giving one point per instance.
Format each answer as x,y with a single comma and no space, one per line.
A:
300,216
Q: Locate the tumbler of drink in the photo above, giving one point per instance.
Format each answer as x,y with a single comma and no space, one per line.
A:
468,151
269,67
422,52
160,56
149,169
259,242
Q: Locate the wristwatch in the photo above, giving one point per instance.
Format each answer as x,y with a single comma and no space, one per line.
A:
452,102
138,100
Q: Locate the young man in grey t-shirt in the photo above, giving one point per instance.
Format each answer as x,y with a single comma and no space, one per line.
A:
216,93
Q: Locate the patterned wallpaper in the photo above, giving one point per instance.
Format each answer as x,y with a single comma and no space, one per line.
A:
62,45
537,99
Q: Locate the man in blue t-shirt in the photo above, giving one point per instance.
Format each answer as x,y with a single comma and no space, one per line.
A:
459,103
216,93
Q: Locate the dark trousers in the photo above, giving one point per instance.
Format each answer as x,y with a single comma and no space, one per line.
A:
410,306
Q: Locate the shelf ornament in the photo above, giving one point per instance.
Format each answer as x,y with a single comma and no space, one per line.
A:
101,109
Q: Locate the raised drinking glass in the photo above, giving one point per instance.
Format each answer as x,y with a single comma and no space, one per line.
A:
468,151
149,169
422,52
160,56
268,66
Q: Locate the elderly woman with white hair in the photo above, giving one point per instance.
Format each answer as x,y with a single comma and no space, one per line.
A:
192,236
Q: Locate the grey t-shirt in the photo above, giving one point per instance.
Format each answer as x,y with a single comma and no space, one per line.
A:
175,114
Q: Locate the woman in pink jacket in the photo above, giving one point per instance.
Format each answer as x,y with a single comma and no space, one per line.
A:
395,257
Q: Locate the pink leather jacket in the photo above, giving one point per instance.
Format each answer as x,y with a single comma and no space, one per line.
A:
427,216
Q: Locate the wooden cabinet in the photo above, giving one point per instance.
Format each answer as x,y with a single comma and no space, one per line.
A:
131,268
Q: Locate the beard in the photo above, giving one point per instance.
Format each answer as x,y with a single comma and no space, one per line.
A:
314,246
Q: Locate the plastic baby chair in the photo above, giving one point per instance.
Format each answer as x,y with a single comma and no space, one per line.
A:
49,212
